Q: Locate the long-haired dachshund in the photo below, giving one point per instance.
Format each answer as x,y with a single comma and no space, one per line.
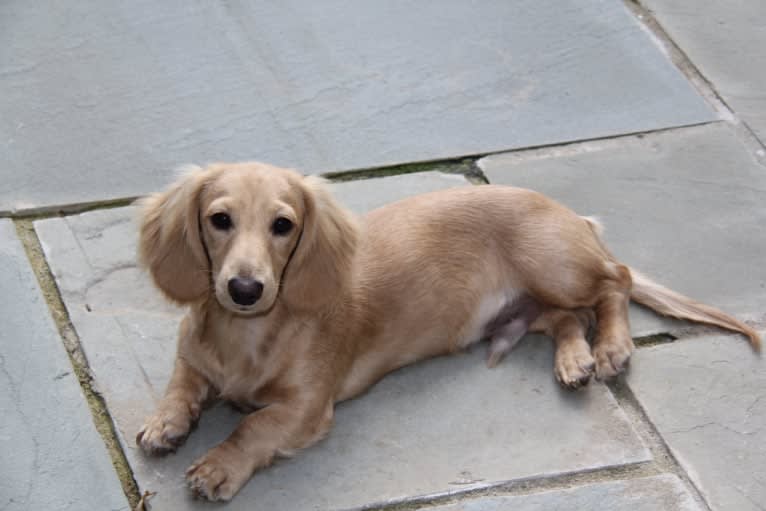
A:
295,304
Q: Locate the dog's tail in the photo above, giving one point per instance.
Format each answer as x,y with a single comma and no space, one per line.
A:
669,303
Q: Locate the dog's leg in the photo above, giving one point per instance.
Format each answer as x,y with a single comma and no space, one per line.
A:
505,339
276,430
613,344
164,431
573,364
509,327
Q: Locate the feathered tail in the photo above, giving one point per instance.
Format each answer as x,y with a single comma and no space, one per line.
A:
669,303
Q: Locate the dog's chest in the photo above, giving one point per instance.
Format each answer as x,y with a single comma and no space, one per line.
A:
237,357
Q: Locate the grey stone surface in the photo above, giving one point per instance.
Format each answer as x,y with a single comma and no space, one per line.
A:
707,398
52,456
725,41
687,208
367,194
659,493
100,99
442,426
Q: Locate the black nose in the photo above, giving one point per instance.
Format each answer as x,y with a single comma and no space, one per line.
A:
245,291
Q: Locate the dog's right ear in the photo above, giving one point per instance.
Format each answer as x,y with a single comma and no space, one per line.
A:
170,246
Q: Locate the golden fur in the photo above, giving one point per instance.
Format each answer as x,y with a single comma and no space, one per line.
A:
343,302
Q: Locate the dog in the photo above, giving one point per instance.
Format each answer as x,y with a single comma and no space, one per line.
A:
295,304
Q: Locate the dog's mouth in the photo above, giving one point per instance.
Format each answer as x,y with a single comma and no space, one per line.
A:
257,309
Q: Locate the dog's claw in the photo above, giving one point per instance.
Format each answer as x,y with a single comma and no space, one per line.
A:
611,359
219,474
163,433
574,368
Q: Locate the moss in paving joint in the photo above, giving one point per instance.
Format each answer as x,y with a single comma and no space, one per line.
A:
653,340
527,486
101,418
463,166
652,439
67,209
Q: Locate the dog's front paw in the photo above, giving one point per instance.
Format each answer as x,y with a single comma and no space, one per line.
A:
166,430
574,368
611,358
219,474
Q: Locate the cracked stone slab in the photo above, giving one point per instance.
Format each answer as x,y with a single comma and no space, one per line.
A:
725,41
707,398
658,493
319,86
442,426
685,207
52,456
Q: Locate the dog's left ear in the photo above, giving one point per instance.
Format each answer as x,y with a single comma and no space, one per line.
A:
321,265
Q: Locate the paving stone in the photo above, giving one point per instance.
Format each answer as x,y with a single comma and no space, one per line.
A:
659,493
101,99
441,426
725,41
707,398
686,207
367,194
52,456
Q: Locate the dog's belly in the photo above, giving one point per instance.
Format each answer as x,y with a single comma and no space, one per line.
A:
412,338
489,315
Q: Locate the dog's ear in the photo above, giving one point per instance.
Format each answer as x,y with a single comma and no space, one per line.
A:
321,265
170,246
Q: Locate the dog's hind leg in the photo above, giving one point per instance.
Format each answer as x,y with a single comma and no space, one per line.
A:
505,339
509,327
613,344
573,364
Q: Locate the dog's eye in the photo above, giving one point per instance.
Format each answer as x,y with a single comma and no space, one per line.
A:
281,226
221,221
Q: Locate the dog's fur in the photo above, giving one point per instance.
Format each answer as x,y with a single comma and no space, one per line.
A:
346,301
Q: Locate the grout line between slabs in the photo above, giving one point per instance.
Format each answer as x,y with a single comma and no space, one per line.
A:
663,462
661,453
468,166
73,208
99,411
529,486
569,149
465,165
692,73
526,486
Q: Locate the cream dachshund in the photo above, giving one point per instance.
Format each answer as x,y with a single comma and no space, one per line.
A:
295,304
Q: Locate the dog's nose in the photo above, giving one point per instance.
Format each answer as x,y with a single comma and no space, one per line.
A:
244,290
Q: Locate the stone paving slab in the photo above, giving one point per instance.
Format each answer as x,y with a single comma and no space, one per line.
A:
101,99
659,493
442,426
725,41
686,207
52,456
707,398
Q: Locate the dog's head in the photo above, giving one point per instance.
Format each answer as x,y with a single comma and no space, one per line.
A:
251,234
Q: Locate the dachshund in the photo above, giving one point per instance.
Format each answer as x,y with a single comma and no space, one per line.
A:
295,304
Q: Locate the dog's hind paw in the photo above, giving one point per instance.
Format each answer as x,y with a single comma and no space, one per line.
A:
573,369
611,359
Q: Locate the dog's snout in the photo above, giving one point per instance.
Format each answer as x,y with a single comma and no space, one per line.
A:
244,290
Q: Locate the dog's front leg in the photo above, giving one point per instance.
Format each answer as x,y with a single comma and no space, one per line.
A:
276,430
164,431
